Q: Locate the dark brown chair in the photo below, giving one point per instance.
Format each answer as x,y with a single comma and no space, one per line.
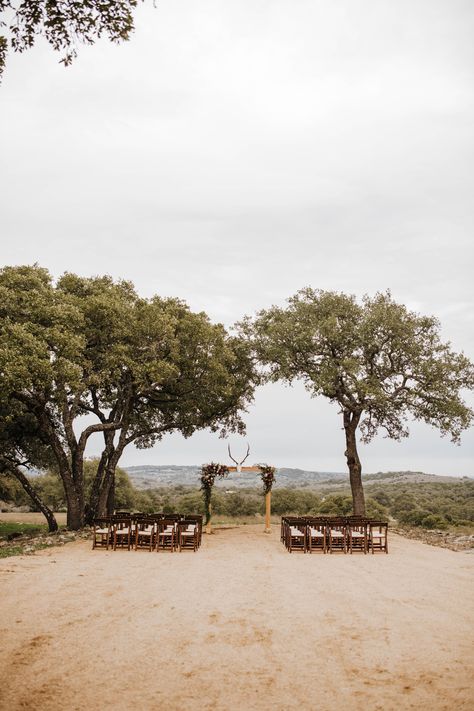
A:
336,535
167,534
196,519
316,535
290,525
357,534
102,533
121,532
145,528
378,536
296,536
188,535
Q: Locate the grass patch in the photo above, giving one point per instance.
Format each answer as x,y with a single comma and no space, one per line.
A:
222,520
8,551
11,528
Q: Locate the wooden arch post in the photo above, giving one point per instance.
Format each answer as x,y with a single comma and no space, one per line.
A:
208,524
268,511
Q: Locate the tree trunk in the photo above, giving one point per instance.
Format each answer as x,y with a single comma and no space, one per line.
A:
92,507
75,507
351,420
111,496
107,493
34,496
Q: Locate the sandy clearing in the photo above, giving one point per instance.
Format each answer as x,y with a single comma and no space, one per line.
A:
239,625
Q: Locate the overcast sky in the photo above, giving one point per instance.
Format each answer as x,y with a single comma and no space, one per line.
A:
234,152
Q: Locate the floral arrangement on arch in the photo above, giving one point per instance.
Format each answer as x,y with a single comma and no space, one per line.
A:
209,473
268,477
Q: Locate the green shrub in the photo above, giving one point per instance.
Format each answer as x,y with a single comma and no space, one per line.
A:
434,521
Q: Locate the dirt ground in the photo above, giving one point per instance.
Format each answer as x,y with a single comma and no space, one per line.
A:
240,625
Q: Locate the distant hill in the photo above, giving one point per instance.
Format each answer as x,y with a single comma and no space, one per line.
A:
151,476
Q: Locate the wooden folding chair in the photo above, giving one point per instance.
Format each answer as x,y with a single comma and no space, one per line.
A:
357,534
145,532
296,536
102,533
316,535
378,536
166,536
121,532
197,520
336,533
188,535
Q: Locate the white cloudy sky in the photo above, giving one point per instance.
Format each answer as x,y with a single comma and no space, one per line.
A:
234,152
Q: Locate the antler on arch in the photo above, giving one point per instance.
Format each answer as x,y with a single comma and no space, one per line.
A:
239,464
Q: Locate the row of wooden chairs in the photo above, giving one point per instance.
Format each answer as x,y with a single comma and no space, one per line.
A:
334,533
156,531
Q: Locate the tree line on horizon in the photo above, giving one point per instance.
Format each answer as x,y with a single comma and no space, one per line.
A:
83,357
429,505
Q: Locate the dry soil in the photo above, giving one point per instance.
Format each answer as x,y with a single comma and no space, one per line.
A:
241,624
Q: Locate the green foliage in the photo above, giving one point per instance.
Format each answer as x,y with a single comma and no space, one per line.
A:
286,501
12,492
64,24
11,531
376,358
426,504
337,504
9,551
240,503
125,492
209,473
378,361
431,505
51,490
9,528
341,505
140,367
267,474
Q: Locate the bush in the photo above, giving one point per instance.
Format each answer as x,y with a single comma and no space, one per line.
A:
336,505
291,501
240,504
12,492
434,521
374,509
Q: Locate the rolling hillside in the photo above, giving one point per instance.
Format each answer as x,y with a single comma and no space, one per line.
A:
151,476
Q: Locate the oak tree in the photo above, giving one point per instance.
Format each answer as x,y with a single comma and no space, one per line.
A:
378,361
88,357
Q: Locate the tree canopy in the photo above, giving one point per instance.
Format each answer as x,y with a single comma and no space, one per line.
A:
63,23
380,363
88,356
